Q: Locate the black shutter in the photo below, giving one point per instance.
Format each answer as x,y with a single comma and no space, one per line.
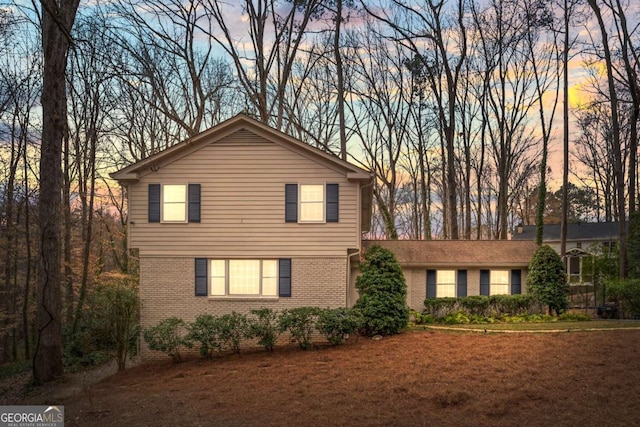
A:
194,203
431,283
485,277
201,277
154,203
332,207
291,202
284,277
516,282
462,283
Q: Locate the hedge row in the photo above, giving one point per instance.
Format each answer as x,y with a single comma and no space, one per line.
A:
483,306
209,333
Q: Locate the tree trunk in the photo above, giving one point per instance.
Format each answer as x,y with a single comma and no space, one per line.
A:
57,20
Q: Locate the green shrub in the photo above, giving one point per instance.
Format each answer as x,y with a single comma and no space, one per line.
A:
383,293
627,294
336,323
263,324
547,280
421,318
475,304
116,312
456,318
232,329
300,322
512,304
574,317
440,307
204,331
167,336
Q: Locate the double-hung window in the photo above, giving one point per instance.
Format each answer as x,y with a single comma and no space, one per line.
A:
311,203
499,282
446,283
174,203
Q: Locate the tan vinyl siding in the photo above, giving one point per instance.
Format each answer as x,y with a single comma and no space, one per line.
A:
242,182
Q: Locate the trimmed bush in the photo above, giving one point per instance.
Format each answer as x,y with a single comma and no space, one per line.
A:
547,280
167,336
476,304
440,307
264,325
204,331
300,322
232,329
383,293
336,323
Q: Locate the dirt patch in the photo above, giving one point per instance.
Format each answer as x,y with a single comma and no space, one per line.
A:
417,378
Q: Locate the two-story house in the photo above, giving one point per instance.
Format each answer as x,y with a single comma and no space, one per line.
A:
242,216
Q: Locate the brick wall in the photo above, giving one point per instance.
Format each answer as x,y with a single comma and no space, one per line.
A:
167,289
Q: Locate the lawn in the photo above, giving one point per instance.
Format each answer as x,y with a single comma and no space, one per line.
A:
417,378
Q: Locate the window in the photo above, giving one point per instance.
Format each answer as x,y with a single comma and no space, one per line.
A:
499,282
311,203
445,283
244,277
174,203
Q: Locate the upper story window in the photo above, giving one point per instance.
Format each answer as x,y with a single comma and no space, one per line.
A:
311,203
174,203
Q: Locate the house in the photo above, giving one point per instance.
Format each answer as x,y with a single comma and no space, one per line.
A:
242,216
457,268
582,239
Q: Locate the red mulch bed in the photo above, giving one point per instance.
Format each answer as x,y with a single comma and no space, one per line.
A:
417,378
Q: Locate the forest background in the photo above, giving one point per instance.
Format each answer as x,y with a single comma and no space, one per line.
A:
466,111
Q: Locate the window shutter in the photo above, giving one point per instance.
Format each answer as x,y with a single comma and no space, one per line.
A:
462,283
431,283
485,277
291,202
332,206
154,203
194,203
201,277
516,282
284,277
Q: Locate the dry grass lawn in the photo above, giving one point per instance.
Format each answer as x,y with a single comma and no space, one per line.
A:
433,378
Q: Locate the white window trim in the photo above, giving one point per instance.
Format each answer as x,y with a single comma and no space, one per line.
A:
492,284
455,283
186,204
227,293
324,203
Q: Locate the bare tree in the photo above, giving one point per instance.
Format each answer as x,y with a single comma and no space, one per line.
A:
57,20
616,147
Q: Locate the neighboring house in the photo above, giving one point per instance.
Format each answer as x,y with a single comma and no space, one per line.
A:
458,268
582,238
242,216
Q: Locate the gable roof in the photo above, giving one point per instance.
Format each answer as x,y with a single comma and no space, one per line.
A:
134,172
459,253
607,231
